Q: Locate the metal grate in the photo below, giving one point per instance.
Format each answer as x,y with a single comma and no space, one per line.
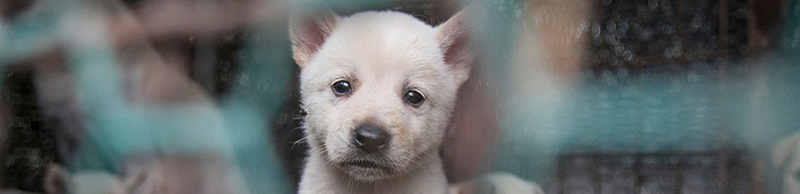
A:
30,145
639,34
723,172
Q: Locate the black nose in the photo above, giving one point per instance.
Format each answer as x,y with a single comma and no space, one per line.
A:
370,137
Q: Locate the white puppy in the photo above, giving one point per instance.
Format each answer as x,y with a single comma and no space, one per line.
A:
378,89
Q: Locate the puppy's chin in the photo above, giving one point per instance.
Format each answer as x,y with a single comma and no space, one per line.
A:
364,167
365,170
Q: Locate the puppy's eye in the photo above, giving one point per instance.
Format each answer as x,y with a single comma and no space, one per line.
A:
341,88
414,98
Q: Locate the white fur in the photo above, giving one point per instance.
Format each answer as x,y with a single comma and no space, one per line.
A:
497,183
383,55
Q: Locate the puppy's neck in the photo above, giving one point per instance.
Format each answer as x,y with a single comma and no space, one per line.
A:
427,178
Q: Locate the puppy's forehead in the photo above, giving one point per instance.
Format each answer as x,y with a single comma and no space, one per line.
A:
391,24
389,41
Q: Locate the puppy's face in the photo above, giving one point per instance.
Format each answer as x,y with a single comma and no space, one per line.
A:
378,88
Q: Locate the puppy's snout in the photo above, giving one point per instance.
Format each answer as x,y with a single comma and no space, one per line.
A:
371,137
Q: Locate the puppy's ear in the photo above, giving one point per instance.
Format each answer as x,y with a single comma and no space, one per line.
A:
308,32
453,36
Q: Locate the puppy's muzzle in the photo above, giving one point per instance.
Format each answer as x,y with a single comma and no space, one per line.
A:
370,137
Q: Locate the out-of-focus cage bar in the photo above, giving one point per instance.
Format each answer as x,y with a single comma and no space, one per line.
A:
231,130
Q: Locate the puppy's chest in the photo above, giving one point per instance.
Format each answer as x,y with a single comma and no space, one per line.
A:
381,188
319,178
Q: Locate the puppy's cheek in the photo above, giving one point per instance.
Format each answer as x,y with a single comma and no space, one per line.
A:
410,140
401,158
329,148
430,139
337,146
398,128
320,138
414,146
315,130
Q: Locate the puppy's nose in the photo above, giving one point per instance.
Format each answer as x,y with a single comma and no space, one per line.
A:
370,137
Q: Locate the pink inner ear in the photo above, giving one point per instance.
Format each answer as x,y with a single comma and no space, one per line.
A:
455,43
308,34
314,36
457,52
